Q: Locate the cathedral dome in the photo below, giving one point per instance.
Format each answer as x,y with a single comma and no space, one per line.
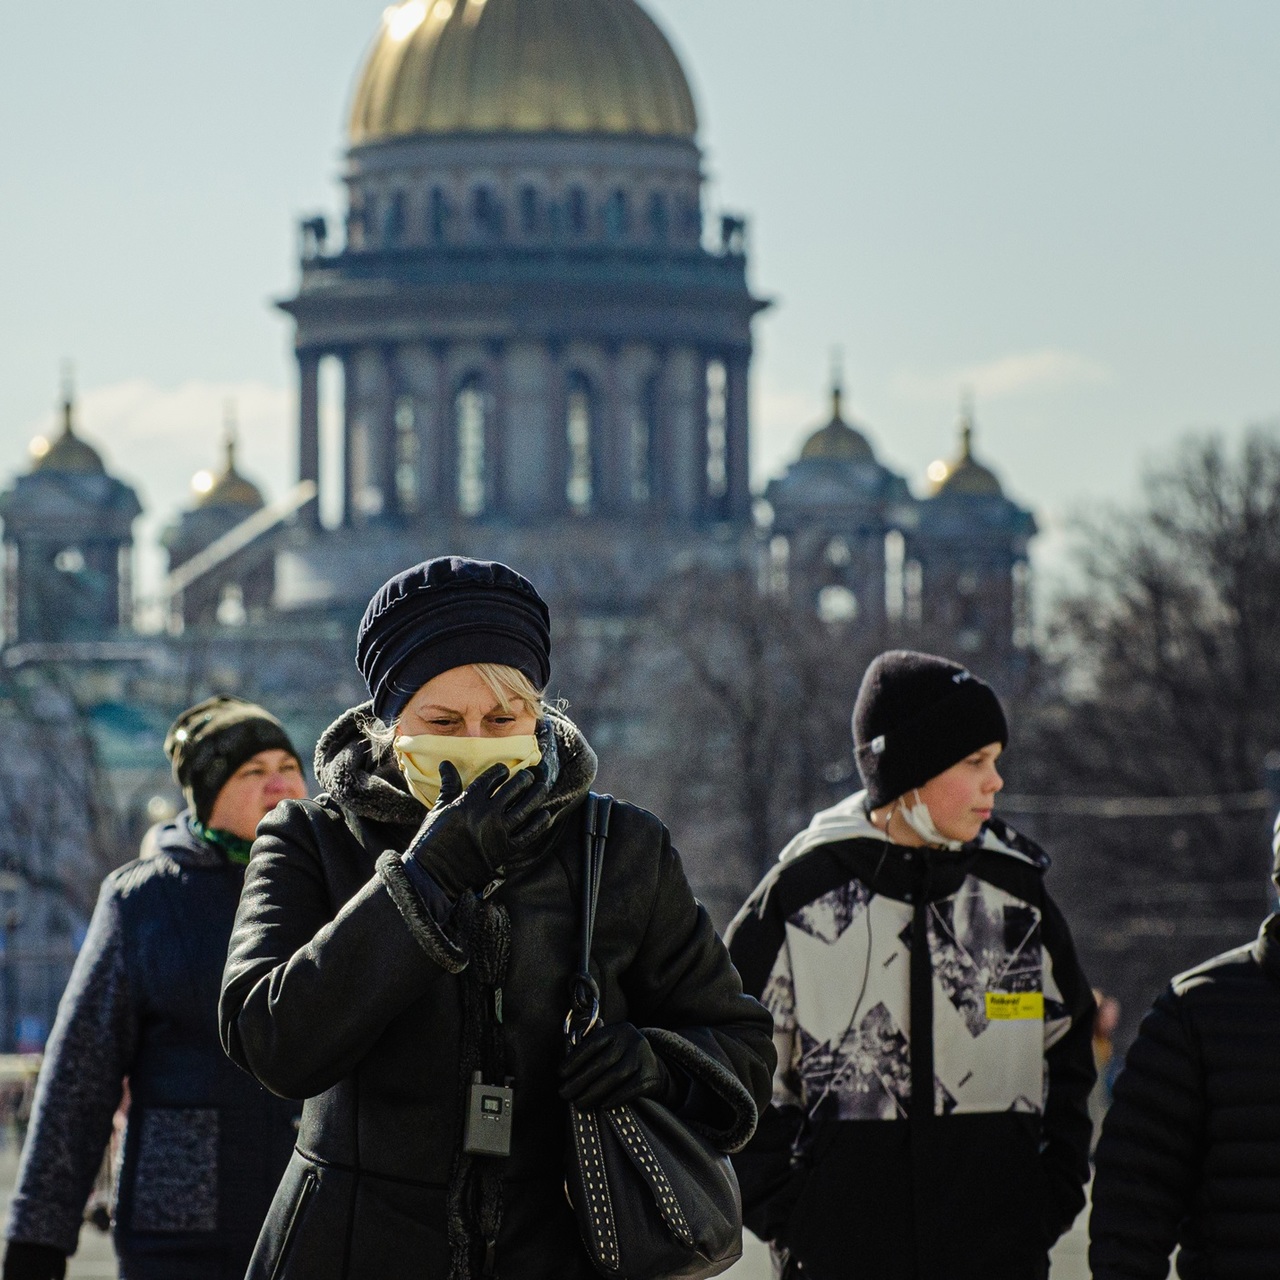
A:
838,439
68,453
230,488
965,476
520,66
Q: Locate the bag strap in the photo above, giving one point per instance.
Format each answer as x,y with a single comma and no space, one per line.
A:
584,1000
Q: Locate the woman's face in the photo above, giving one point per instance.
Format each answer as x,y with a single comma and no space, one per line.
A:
961,798
459,704
255,788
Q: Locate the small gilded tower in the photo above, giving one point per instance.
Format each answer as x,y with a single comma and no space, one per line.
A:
239,586
833,511
68,540
971,545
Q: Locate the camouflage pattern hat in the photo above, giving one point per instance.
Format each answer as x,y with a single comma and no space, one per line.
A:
207,743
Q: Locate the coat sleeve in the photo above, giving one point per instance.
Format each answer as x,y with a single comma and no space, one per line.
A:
683,989
306,991
767,1170
1150,1153
1070,1074
89,1053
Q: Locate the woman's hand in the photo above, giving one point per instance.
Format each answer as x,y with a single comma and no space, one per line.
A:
613,1065
470,834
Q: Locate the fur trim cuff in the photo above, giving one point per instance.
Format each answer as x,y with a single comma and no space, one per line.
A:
719,1079
424,927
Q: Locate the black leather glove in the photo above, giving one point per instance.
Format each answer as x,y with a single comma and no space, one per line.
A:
612,1065
26,1261
469,835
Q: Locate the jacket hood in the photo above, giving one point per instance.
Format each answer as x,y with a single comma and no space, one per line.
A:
346,769
178,841
850,820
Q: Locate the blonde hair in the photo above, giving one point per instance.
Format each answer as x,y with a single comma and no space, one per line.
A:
509,685
505,683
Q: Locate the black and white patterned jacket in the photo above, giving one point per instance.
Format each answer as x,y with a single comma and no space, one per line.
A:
962,1153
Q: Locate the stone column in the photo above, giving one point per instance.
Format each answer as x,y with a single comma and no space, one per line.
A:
557,439
420,372
686,435
350,411
497,500
607,462
444,447
386,432
309,429
737,435
529,446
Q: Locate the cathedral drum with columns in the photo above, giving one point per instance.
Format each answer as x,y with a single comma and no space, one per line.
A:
534,340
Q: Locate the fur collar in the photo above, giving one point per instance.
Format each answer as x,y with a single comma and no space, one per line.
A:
346,770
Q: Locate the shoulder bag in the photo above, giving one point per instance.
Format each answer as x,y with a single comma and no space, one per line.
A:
653,1198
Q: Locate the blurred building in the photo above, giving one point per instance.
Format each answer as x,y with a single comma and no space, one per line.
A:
68,535
948,569
531,333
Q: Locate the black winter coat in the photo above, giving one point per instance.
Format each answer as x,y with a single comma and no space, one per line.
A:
205,1145
1190,1150
956,1153
346,987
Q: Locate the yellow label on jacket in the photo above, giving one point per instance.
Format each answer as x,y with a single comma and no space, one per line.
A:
1011,1006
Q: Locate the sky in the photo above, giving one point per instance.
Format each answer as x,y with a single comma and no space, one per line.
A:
1070,209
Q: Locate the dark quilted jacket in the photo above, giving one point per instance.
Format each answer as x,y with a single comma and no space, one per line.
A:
205,1144
1190,1151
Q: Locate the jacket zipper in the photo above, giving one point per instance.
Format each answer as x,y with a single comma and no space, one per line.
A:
309,1184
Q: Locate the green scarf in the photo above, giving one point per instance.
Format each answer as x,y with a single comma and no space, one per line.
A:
236,849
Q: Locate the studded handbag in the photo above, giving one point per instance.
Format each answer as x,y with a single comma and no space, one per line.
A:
653,1197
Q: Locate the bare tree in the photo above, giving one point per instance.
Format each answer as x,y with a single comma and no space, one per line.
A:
1164,682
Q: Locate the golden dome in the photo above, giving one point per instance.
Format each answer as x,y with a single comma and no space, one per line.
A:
966,475
520,66
838,439
68,453
230,489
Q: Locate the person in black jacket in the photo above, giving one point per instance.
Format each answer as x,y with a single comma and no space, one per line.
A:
205,1146
1190,1150
415,930
956,1152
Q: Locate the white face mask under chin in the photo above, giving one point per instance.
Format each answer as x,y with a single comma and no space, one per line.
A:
920,820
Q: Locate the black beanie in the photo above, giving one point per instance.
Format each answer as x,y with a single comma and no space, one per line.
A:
207,743
445,613
915,717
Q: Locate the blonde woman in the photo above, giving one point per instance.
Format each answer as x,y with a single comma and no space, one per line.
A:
414,932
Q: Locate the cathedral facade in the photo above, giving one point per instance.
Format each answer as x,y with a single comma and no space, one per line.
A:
533,335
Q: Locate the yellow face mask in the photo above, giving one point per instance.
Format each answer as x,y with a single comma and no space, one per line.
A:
420,758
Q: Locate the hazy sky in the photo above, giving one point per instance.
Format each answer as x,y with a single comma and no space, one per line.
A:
1073,208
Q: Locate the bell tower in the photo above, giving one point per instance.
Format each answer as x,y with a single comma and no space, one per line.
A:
68,541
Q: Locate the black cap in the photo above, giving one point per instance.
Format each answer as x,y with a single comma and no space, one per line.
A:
207,743
915,717
446,613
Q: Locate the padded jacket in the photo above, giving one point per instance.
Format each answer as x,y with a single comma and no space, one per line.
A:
205,1146
1190,1150
345,986
960,1153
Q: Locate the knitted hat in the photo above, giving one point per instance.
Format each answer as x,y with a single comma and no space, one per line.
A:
207,743
915,717
446,613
